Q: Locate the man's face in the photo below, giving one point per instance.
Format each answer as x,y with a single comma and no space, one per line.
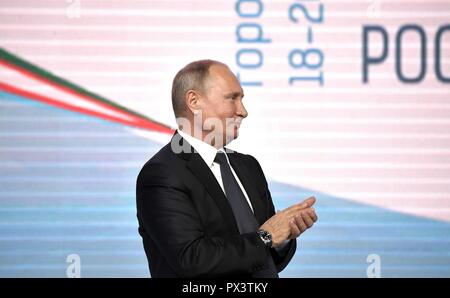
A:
223,100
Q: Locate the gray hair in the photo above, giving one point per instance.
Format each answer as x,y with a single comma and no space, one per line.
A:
191,77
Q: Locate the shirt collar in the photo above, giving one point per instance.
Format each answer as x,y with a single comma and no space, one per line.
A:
206,151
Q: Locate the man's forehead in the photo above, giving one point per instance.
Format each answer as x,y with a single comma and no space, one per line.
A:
220,70
221,73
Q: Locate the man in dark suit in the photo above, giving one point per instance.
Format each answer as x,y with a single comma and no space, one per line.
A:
204,210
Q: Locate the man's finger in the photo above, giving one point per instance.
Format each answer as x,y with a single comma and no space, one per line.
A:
302,205
313,214
309,202
295,232
300,223
307,219
305,204
294,212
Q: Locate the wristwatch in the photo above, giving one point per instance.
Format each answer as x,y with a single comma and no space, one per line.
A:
266,237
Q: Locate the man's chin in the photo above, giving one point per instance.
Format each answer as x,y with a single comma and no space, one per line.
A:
230,138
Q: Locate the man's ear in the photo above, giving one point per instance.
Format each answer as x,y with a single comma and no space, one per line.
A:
193,102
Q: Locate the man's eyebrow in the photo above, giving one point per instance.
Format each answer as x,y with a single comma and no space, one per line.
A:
233,94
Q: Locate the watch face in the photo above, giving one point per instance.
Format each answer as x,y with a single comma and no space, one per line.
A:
267,238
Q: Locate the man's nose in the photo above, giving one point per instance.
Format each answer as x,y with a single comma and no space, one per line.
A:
241,111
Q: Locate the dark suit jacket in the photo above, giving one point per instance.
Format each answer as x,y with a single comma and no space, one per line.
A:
187,225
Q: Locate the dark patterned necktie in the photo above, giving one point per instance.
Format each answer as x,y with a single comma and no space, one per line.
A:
245,218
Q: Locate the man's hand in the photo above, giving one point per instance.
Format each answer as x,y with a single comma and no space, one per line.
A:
291,222
302,221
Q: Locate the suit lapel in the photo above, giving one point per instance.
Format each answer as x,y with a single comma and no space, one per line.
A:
200,169
250,187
